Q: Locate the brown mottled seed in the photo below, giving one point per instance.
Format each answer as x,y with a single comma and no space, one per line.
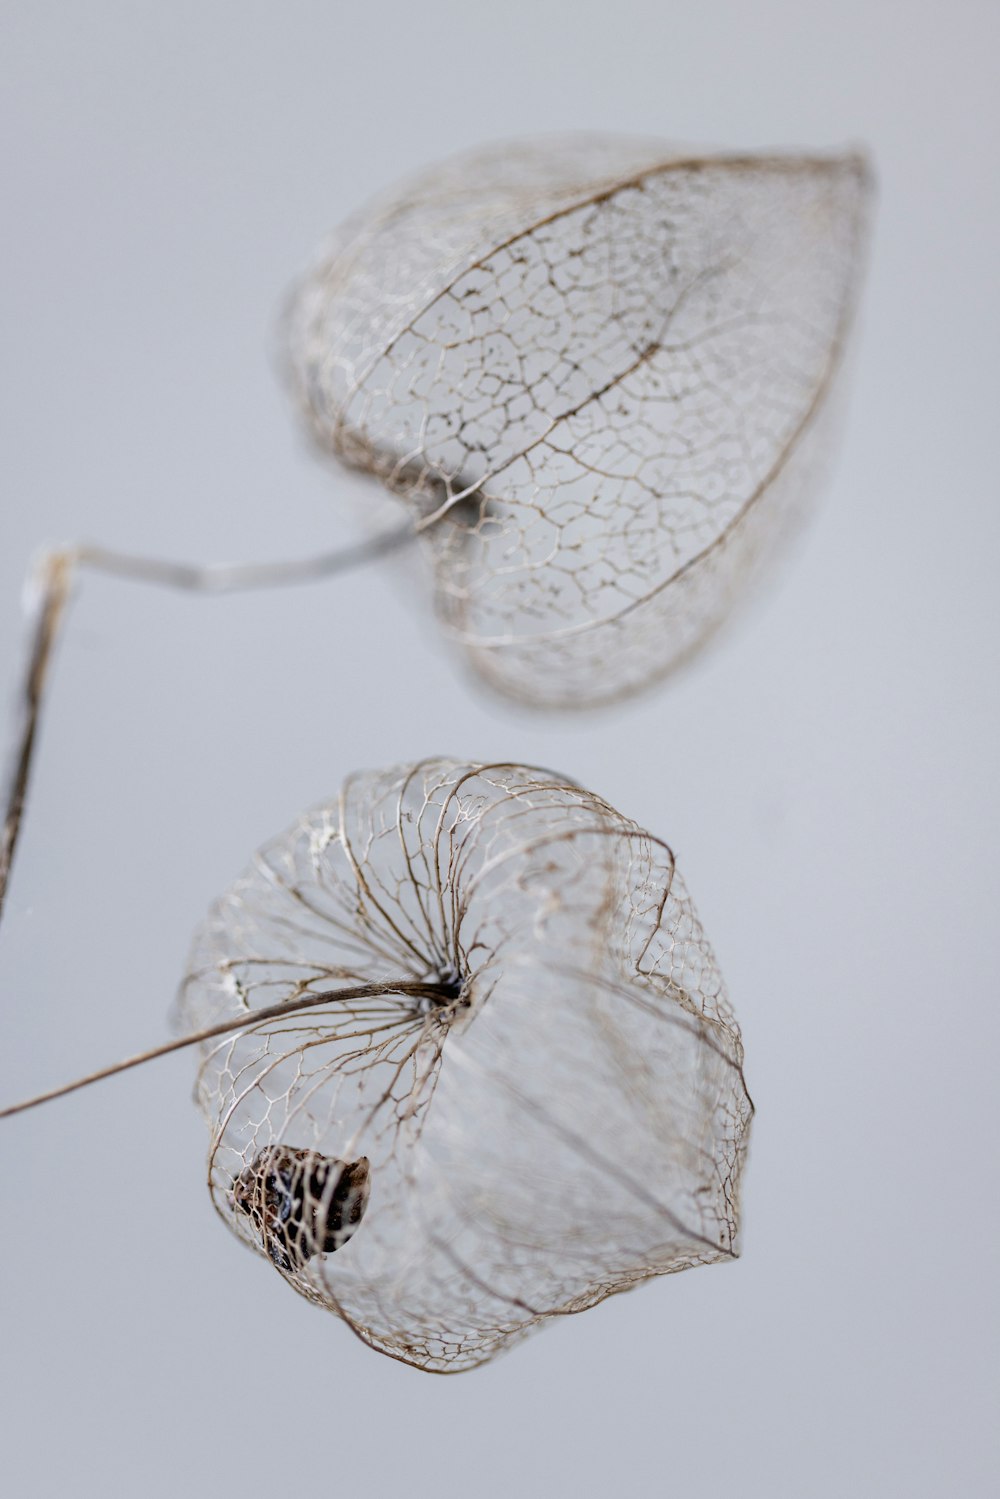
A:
300,1203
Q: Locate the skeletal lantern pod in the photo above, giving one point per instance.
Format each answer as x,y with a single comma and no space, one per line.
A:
535,1098
596,370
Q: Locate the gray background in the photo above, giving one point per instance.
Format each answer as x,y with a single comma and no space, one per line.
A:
826,773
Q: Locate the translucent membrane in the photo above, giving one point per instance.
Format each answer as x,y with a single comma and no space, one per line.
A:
600,367
563,1113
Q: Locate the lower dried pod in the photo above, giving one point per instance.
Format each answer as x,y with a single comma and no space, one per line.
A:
530,1098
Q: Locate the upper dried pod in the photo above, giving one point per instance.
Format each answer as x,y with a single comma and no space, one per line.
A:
537,1100
595,368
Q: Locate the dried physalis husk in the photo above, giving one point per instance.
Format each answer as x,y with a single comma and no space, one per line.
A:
595,368
550,1108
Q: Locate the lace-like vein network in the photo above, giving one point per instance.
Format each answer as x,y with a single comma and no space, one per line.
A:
605,364
567,1119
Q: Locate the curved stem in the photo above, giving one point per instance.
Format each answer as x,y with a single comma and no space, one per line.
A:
438,994
235,577
53,584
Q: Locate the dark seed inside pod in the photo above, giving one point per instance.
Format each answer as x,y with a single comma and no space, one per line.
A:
301,1203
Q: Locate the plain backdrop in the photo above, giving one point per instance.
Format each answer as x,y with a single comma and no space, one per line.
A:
826,772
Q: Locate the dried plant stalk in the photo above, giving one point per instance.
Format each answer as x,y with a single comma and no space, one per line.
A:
554,1113
603,363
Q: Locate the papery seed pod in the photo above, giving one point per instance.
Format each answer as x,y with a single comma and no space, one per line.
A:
595,368
553,1111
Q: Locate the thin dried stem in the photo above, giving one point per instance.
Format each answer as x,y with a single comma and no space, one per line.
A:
55,581
435,993
53,584
237,577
